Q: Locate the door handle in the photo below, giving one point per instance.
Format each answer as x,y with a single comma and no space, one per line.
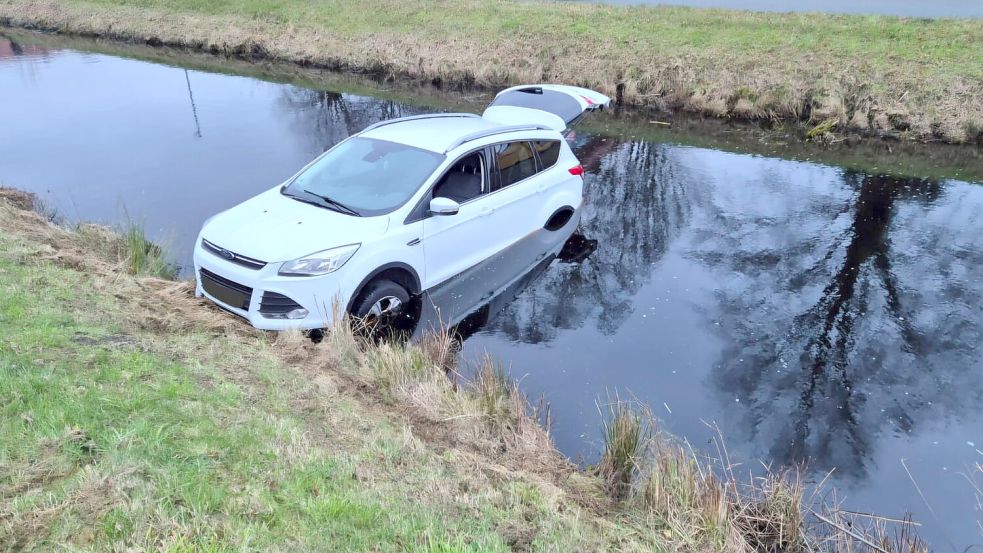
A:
486,211
542,187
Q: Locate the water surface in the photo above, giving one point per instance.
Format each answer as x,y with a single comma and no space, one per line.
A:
813,313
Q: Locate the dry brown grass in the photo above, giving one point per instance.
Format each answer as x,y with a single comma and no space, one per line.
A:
485,414
88,495
880,75
100,252
701,503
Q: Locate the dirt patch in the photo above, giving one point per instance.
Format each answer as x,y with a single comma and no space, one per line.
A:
112,341
59,461
24,201
88,504
48,468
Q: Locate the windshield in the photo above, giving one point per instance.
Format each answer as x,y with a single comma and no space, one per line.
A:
368,176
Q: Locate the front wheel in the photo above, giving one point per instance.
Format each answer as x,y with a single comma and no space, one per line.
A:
381,309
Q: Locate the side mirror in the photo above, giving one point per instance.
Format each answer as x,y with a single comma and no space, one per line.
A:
444,206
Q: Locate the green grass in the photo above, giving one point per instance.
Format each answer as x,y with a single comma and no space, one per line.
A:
114,438
919,77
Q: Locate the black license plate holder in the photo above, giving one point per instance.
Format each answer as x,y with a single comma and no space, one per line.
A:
225,294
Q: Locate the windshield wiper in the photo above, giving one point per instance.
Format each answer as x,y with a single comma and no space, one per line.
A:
331,204
336,204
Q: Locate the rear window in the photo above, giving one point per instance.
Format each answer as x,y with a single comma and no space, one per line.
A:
549,152
515,162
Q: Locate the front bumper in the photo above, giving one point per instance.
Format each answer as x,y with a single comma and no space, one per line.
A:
323,297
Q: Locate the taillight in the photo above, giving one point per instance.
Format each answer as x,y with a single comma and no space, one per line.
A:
577,170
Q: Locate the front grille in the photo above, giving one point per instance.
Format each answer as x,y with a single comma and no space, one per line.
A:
227,255
224,290
277,304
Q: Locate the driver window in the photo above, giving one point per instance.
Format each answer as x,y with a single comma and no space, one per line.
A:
464,181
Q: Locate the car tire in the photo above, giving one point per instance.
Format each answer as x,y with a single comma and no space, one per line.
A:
380,310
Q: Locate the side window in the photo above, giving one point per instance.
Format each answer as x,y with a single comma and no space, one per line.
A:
464,181
515,162
549,152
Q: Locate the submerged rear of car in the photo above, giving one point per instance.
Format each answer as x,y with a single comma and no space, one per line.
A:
395,210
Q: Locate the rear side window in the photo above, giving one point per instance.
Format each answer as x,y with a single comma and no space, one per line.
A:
515,162
549,152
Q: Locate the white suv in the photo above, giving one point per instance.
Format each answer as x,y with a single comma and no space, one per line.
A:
395,210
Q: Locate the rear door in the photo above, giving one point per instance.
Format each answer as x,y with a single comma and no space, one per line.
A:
517,188
554,106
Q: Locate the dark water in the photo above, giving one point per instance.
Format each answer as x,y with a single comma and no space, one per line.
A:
903,8
813,313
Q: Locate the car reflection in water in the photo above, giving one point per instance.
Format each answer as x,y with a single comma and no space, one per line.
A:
472,300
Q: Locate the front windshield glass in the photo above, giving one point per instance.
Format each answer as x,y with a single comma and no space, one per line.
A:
367,175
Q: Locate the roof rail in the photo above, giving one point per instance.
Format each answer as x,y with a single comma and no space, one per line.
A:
491,132
415,117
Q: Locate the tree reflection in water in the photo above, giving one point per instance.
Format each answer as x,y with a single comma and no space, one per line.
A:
637,199
817,386
821,347
325,118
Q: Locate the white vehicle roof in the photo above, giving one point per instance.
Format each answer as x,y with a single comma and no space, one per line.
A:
437,133
543,107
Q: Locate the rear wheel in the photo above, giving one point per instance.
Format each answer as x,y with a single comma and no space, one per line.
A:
381,309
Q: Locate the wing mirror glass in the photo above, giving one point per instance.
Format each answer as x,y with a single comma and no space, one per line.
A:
444,206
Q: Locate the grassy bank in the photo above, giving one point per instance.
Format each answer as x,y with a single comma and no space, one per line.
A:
135,417
915,78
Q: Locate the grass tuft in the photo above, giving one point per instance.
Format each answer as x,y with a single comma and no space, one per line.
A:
495,391
144,257
625,435
822,129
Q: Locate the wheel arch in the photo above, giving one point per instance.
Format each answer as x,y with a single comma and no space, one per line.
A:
559,218
400,273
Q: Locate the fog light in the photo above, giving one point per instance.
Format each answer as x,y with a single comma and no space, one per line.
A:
297,313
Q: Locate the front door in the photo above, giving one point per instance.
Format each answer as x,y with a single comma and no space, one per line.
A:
453,243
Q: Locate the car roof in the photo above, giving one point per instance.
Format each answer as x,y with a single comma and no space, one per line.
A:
438,132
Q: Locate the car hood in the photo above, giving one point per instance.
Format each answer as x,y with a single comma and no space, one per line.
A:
272,227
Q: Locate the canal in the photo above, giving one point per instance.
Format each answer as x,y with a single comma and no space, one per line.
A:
826,311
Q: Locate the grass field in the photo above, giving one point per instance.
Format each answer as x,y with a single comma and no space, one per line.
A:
918,78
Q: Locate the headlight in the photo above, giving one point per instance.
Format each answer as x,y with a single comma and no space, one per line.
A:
320,263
